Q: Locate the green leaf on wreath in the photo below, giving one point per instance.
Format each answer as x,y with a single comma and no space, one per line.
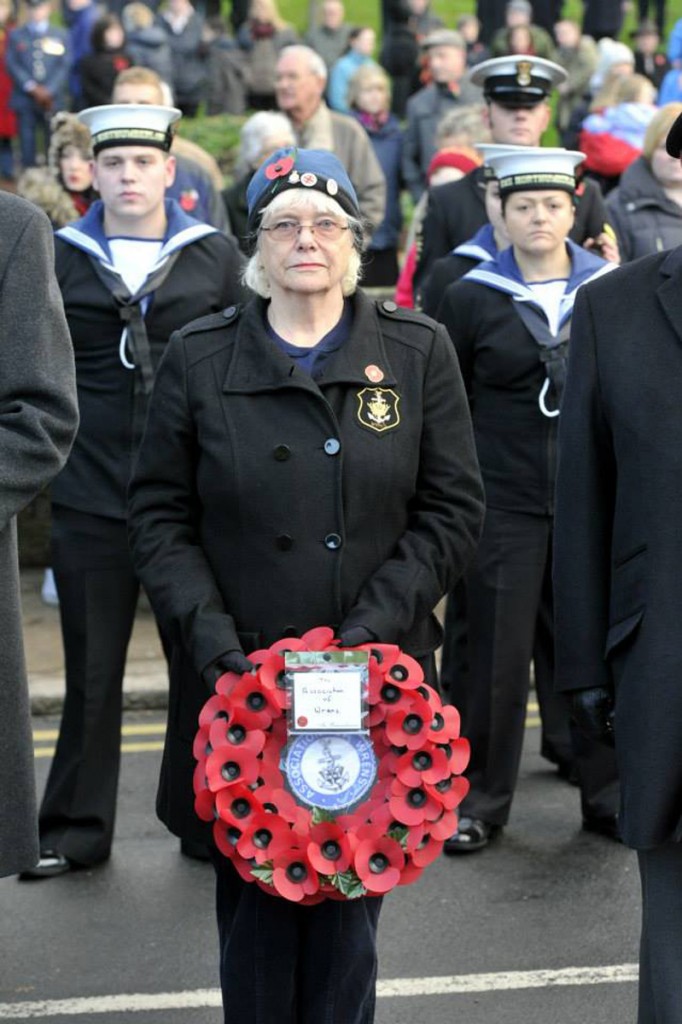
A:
400,834
319,816
263,872
348,884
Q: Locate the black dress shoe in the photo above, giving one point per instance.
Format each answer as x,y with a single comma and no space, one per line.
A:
472,834
603,825
50,865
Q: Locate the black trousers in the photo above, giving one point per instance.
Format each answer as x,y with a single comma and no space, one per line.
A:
508,624
98,593
285,964
660,977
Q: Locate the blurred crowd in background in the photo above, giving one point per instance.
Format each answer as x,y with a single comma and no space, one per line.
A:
399,110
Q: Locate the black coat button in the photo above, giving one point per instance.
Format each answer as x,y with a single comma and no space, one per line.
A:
332,446
284,542
282,452
389,306
290,631
332,541
229,312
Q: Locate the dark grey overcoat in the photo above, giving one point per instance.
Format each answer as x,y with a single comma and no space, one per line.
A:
618,529
38,419
264,503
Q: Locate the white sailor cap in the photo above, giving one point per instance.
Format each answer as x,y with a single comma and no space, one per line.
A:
517,81
491,149
529,168
130,124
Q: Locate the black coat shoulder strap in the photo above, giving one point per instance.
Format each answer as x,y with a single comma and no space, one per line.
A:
212,322
392,311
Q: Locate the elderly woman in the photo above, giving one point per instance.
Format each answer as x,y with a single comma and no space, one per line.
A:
261,135
509,319
646,208
271,497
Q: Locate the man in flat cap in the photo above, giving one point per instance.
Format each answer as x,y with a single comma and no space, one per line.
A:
617,579
446,56
517,92
134,269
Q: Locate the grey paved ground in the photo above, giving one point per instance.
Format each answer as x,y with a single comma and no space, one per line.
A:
545,897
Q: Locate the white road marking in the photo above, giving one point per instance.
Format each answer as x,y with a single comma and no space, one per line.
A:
458,984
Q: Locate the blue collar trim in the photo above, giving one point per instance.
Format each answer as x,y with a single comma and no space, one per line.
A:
88,235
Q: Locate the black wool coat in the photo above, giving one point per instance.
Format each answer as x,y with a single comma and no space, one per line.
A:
618,529
457,210
265,503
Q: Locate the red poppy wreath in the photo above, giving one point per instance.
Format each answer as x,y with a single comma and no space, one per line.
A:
303,852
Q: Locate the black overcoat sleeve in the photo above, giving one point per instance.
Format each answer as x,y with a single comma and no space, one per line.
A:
585,494
163,517
446,514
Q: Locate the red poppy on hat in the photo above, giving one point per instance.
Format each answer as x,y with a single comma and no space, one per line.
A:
378,863
228,765
409,726
280,168
411,805
329,850
266,835
293,875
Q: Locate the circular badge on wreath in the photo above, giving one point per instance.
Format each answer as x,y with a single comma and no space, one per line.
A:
314,817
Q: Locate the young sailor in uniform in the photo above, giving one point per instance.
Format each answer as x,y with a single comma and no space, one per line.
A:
134,269
509,319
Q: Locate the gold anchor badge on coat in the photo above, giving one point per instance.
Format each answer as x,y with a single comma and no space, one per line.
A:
378,409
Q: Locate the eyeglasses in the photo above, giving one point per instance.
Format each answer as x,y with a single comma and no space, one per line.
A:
324,227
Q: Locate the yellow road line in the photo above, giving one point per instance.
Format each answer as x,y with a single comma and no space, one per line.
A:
142,729
126,748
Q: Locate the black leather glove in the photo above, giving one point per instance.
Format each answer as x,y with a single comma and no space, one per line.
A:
229,661
593,712
354,636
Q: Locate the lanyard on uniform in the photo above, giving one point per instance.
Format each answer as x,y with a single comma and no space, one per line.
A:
135,330
553,355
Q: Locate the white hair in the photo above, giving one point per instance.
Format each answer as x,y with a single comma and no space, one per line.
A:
261,128
315,63
254,276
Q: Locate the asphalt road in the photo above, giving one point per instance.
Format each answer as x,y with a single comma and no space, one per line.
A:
540,928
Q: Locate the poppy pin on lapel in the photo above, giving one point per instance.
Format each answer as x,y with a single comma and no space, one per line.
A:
374,373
